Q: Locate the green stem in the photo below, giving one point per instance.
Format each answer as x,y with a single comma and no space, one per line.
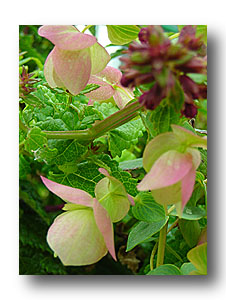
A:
173,225
69,99
153,255
99,128
171,209
87,27
22,126
161,245
174,36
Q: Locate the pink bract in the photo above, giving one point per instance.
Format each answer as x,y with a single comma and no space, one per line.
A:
110,87
84,233
73,59
170,161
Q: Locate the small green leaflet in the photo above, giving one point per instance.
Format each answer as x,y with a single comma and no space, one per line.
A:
191,213
187,268
201,30
170,28
198,257
190,230
89,88
165,270
146,209
122,34
143,231
36,143
131,164
198,78
32,100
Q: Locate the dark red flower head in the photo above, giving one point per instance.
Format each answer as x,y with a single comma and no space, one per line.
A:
159,61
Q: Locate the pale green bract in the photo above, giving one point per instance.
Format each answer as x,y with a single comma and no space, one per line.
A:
170,161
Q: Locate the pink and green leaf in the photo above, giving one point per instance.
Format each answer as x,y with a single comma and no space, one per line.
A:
68,193
66,37
198,257
112,196
99,58
105,226
122,96
167,170
169,195
73,68
158,146
188,138
76,239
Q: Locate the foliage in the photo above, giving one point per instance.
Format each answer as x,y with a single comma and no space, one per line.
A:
89,131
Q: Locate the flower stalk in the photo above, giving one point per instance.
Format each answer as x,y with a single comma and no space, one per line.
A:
161,245
99,128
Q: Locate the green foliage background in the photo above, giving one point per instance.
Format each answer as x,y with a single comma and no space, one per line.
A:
76,164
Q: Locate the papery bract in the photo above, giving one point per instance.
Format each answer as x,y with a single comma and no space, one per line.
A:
76,239
110,88
112,195
84,233
73,59
171,162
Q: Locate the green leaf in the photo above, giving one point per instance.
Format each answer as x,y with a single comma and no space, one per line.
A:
37,144
187,268
198,78
143,231
173,252
112,195
89,88
165,270
87,175
24,167
32,100
176,97
122,34
198,257
201,30
146,209
125,135
131,164
170,28
203,165
191,213
68,151
36,60
161,118
32,199
190,230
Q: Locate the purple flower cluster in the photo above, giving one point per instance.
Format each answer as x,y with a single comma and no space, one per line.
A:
161,63
26,82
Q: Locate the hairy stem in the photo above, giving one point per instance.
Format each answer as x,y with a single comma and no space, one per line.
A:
100,127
